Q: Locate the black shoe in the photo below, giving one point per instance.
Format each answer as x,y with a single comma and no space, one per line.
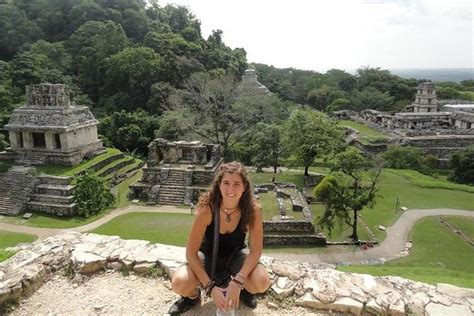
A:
248,298
183,305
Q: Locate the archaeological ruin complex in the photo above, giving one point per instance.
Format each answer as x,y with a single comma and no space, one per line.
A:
177,172
438,127
49,129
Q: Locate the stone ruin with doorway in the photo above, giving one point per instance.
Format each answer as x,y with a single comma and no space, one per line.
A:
177,172
293,225
49,129
437,127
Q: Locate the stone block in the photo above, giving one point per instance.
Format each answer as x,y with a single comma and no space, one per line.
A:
433,309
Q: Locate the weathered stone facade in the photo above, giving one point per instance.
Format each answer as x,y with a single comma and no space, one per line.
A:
177,172
438,127
316,286
49,129
284,229
250,86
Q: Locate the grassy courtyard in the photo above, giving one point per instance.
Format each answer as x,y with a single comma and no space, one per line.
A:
58,170
438,255
166,228
366,134
9,239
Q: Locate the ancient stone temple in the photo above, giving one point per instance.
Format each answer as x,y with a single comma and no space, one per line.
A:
177,172
49,129
250,86
425,99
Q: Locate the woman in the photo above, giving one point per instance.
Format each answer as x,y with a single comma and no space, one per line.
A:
232,196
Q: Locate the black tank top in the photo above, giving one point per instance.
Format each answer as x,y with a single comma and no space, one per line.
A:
228,243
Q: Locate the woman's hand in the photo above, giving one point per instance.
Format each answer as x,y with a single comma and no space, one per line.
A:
232,296
218,297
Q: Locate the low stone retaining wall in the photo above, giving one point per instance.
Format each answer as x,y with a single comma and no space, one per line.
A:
314,286
300,226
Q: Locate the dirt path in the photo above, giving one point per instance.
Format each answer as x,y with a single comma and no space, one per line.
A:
394,243
43,233
397,234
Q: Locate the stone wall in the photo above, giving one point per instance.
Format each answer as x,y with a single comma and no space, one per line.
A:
202,178
319,287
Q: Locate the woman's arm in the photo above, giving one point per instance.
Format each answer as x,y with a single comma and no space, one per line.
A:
256,244
195,237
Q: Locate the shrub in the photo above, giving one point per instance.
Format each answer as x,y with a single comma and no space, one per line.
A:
462,163
398,157
3,143
92,194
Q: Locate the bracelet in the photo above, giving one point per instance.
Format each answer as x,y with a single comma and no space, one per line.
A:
208,288
239,283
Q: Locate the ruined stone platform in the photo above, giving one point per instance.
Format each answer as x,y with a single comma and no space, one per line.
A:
319,286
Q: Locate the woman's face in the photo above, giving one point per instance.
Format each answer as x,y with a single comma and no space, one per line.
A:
232,187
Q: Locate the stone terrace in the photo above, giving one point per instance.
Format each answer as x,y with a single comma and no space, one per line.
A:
319,287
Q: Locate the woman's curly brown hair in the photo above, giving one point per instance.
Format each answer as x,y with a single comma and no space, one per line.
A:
213,197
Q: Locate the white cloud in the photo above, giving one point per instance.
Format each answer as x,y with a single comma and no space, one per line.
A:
347,34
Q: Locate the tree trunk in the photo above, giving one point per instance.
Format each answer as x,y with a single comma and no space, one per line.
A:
354,236
306,173
275,169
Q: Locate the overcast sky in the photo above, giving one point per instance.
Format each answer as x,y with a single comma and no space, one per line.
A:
344,34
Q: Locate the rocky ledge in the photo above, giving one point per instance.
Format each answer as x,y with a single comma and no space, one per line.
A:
320,287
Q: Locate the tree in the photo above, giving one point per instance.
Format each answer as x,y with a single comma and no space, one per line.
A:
267,147
92,194
401,157
15,30
133,71
212,112
371,98
346,191
129,131
462,163
310,134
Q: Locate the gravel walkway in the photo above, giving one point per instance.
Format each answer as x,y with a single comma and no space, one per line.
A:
113,294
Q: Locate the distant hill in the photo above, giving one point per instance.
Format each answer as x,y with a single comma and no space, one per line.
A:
441,74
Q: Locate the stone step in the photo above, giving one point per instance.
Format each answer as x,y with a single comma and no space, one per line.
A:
290,240
47,189
172,189
54,180
49,208
54,199
115,166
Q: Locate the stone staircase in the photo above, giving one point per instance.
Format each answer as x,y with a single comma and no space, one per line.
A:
172,188
29,158
16,187
53,195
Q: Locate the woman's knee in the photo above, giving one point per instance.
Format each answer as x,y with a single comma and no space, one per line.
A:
260,279
181,280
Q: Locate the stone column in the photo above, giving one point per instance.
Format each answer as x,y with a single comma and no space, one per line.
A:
65,140
14,139
49,140
27,140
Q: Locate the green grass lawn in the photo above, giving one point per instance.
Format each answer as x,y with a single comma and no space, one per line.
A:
364,130
414,192
438,256
295,177
57,170
9,239
166,228
465,224
269,205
